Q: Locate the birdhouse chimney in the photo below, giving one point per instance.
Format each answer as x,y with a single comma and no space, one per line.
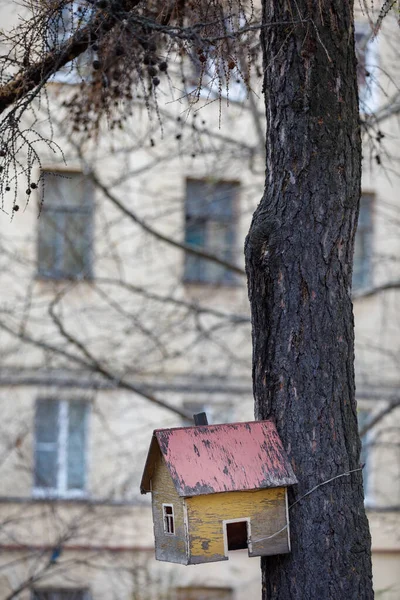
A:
200,419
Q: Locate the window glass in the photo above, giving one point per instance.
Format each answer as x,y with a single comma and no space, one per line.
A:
64,230
57,594
64,23
46,448
60,446
367,68
210,226
76,445
76,248
363,417
203,593
362,263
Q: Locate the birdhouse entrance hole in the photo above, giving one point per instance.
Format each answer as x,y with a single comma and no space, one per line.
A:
236,534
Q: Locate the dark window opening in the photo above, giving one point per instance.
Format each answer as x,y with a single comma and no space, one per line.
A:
60,594
237,535
169,525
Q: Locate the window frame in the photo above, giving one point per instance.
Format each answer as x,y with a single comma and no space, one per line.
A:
85,592
226,522
365,281
59,212
365,454
228,278
62,491
168,520
71,72
368,94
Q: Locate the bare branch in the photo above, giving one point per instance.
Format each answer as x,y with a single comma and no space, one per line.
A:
164,238
379,416
94,366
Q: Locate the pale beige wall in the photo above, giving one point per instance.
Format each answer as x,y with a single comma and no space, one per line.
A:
386,575
135,575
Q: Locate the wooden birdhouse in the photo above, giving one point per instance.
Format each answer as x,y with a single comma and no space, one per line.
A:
217,488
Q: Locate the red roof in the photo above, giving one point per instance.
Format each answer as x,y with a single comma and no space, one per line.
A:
208,459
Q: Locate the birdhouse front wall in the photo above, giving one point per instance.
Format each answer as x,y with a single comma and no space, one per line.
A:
262,513
168,517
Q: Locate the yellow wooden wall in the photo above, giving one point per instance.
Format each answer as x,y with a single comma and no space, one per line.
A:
265,508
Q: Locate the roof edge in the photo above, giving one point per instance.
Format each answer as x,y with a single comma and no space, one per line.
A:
148,471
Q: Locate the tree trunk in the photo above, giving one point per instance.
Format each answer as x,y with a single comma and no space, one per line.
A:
299,264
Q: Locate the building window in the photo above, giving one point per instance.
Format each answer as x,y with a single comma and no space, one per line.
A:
65,21
169,524
362,263
203,593
210,226
211,80
363,418
367,59
60,447
61,594
65,227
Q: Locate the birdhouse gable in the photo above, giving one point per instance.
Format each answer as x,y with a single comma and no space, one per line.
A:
220,458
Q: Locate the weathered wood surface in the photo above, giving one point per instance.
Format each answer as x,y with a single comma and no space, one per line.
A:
171,548
267,512
220,458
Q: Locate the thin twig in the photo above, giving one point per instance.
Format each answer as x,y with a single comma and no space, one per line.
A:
345,474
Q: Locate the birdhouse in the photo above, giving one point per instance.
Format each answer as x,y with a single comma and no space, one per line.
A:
217,488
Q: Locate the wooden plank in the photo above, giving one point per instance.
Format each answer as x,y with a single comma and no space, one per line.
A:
266,510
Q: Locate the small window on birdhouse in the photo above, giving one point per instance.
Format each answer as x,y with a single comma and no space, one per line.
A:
169,525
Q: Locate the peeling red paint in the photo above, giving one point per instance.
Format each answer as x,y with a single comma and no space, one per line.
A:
222,458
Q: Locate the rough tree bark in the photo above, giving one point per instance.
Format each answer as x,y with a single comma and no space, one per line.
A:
299,264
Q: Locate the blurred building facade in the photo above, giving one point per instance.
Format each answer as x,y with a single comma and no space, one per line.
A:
125,309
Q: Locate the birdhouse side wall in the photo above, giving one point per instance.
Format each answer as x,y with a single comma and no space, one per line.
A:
265,510
170,547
